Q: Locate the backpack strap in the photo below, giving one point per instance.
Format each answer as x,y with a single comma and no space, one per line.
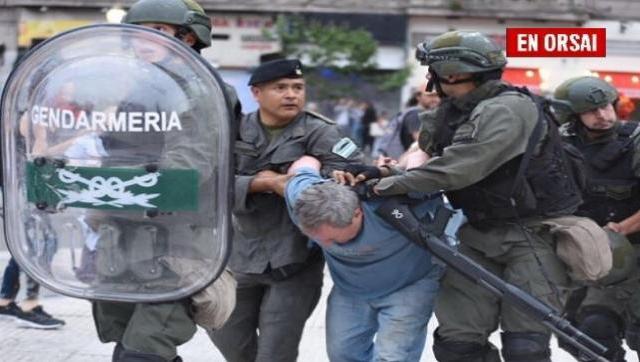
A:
626,129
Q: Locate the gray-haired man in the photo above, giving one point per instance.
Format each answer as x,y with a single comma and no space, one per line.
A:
384,284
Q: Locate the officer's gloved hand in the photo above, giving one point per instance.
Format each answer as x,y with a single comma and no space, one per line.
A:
364,190
369,172
354,174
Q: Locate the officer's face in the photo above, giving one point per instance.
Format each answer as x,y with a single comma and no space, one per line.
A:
457,90
602,118
280,100
326,234
148,50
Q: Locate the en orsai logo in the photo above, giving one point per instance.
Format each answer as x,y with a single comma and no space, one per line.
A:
556,42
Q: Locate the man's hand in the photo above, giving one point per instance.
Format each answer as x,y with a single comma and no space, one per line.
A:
269,181
385,161
346,178
628,226
354,174
614,226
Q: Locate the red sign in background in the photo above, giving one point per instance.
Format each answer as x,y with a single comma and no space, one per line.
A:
556,42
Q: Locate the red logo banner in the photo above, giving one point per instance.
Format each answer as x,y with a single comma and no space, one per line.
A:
556,42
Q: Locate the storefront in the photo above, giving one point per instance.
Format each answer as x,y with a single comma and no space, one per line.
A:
523,77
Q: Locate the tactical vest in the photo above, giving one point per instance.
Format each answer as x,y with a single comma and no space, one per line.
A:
547,186
612,192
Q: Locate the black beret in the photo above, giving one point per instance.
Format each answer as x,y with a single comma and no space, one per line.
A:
276,69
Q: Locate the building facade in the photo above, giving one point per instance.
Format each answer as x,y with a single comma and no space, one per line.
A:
239,39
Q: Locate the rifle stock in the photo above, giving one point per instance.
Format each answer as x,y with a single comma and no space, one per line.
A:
429,235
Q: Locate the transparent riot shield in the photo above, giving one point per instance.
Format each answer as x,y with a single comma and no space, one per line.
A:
116,155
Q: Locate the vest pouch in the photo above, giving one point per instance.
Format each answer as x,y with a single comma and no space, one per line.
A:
583,246
576,162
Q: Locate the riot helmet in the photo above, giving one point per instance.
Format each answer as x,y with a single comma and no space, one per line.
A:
182,13
624,258
458,52
582,94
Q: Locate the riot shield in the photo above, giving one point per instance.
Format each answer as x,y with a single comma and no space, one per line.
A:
116,152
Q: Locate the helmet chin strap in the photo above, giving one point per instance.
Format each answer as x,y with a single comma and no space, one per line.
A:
435,81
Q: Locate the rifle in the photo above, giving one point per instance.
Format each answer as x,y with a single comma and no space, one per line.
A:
429,235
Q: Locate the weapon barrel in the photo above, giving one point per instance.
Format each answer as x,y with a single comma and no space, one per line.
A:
400,216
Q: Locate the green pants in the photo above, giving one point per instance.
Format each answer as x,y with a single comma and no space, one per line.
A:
154,328
623,299
467,312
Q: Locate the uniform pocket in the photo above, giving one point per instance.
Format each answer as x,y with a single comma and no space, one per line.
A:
287,153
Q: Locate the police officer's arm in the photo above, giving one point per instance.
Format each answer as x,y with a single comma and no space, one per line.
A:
268,181
631,224
494,135
320,144
305,162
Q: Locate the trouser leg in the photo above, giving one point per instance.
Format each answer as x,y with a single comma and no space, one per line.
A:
465,310
402,319
159,328
111,319
10,280
467,314
144,330
237,340
284,311
350,328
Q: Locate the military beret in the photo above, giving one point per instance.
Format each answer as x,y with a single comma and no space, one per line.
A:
276,69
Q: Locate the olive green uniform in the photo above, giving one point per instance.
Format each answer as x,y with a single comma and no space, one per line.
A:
279,276
619,302
158,328
151,331
491,130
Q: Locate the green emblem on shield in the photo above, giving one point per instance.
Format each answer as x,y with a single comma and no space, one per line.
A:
112,188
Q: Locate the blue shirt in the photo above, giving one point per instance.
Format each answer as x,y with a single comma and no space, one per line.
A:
380,260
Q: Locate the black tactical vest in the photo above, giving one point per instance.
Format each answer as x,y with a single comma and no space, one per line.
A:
547,188
612,192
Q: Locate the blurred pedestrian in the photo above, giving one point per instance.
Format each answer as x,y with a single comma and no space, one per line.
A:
29,313
369,117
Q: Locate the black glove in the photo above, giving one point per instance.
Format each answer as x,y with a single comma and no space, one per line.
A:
369,172
365,190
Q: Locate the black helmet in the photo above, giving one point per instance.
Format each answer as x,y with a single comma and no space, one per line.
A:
186,13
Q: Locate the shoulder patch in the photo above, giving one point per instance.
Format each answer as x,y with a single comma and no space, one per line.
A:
466,133
344,148
320,116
